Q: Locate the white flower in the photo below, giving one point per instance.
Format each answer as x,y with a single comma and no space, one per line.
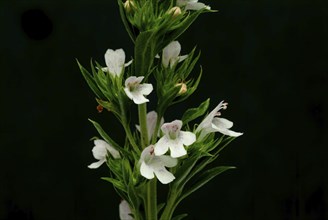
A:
115,61
152,165
211,123
171,54
99,152
151,123
125,211
174,139
192,5
136,91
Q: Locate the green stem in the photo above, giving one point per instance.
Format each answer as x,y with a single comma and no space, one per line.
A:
125,124
151,208
170,206
142,111
151,200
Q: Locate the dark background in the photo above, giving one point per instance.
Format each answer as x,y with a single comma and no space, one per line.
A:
268,59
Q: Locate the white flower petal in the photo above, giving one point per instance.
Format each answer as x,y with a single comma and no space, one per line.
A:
206,123
182,58
187,137
195,6
146,171
230,133
222,125
97,164
145,88
151,123
171,53
128,93
222,122
115,61
177,150
104,145
128,63
136,91
168,161
163,175
125,211
99,152
162,146
138,98
133,80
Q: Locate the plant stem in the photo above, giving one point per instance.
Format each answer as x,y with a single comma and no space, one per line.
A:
151,208
170,206
151,200
125,124
142,111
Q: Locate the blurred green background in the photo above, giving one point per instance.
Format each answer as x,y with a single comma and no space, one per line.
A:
268,59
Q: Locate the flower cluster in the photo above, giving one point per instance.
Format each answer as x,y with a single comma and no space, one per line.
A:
176,151
153,159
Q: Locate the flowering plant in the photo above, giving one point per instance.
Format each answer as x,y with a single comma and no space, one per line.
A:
175,152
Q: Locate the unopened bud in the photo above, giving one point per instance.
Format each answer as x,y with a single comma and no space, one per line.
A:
175,11
129,6
183,88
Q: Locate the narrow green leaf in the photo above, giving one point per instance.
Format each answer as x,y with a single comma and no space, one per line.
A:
126,23
116,183
183,27
194,113
144,52
179,217
90,81
160,207
105,136
205,178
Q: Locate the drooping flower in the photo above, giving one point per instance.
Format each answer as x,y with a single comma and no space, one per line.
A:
151,123
212,123
99,152
115,61
171,54
136,91
174,139
125,211
152,165
192,5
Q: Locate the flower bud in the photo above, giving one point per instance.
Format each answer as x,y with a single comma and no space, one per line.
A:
175,11
183,88
129,6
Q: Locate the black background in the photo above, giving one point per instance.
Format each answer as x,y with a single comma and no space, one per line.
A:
268,59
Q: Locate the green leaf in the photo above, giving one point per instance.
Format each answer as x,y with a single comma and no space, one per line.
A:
204,178
160,207
127,26
145,51
90,81
116,183
194,113
105,136
182,27
179,217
